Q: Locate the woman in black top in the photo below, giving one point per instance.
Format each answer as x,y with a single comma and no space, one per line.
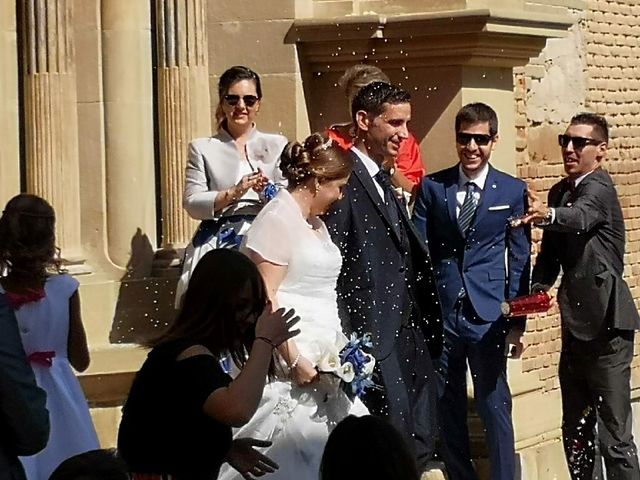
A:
177,419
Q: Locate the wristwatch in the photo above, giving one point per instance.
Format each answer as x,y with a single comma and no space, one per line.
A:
546,220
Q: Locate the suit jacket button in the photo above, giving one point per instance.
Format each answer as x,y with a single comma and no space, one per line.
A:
401,269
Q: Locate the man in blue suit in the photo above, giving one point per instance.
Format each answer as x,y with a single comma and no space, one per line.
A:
479,261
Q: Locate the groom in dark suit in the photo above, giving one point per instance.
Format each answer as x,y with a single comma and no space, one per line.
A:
584,235
386,284
479,261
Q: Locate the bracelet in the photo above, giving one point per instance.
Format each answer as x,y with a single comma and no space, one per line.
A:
268,341
294,364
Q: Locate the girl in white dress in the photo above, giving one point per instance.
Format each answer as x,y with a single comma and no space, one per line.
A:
47,308
227,173
300,265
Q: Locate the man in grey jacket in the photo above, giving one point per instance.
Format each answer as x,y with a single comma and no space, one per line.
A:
24,419
584,236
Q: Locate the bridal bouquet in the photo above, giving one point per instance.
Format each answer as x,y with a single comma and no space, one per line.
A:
269,191
353,366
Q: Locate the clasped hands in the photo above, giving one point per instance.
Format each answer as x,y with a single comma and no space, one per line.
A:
255,180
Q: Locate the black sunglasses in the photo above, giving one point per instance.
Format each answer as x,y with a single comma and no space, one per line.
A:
249,100
578,142
481,139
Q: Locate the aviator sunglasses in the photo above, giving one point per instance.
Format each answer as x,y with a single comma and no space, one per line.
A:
233,100
578,142
481,139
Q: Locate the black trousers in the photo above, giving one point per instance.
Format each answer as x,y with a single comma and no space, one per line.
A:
595,383
409,393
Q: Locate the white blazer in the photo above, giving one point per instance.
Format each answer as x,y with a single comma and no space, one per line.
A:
215,165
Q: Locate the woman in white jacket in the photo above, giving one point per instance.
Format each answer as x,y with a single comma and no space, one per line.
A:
230,175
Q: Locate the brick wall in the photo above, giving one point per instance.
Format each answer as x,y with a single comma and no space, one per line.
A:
596,68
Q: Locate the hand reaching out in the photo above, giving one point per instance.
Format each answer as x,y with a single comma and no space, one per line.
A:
244,457
538,212
276,325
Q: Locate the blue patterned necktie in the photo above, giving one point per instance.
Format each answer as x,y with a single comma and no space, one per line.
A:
468,209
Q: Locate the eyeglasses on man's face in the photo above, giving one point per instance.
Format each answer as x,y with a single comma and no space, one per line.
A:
578,142
480,139
248,100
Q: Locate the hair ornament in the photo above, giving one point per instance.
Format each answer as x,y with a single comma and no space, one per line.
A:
327,144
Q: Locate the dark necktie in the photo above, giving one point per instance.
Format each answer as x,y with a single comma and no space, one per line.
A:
384,180
567,195
468,209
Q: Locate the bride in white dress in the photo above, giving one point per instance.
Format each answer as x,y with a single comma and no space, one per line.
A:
293,250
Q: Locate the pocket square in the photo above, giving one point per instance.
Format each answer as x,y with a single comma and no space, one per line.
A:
499,207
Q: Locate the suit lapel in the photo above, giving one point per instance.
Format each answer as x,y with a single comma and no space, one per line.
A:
362,174
452,201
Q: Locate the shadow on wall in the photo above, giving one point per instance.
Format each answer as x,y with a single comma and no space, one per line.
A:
145,301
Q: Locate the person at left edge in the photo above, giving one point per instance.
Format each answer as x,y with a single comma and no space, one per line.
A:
227,173
24,419
46,303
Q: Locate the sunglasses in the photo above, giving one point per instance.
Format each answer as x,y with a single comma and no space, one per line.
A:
249,100
480,139
578,142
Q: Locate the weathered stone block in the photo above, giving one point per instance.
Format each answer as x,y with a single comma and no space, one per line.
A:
257,44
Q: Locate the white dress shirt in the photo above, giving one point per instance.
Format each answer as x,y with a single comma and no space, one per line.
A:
479,182
372,167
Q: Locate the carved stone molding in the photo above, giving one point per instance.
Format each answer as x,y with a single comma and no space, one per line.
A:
467,37
51,122
183,105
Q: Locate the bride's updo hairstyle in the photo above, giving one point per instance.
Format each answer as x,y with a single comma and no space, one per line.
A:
318,158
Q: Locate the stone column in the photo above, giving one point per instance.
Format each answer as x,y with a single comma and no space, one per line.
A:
9,147
51,122
183,104
129,143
